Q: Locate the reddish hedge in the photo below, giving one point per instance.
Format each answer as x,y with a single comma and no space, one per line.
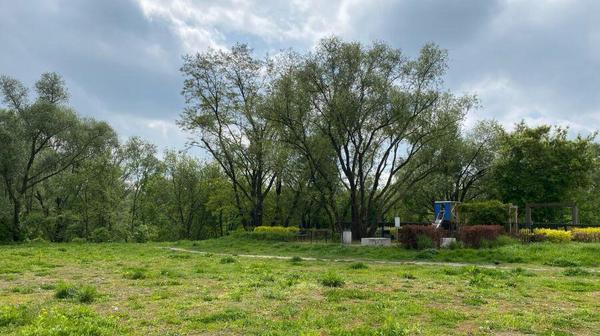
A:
409,234
473,235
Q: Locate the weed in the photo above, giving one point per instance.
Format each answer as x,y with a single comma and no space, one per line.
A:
135,274
296,259
358,266
331,279
227,260
64,290
86,294
575,271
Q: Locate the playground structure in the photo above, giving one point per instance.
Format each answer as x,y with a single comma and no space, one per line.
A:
446,214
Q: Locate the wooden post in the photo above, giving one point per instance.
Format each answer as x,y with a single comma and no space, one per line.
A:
528,217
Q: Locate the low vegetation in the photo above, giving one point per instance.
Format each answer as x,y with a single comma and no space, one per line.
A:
146,289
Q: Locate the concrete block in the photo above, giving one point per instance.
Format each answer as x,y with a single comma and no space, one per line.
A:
376,241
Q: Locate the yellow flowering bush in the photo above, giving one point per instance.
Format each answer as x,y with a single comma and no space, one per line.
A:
276,229
555,236
591,234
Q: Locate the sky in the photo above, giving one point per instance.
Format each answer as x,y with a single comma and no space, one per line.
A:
537,61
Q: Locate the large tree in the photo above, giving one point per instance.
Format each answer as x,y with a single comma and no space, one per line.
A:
542,164
224,91
42,138
378,113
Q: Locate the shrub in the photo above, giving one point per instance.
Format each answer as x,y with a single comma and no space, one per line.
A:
555,236
576,271
100,235
527,236
141,234
135,274
484,212
475,235
86,294
409,235
586,234
359,265
38,240
78,240
424,242
296,259
331,279
64,291
228,260
277,229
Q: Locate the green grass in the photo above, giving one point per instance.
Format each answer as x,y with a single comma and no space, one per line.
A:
566,255
145,289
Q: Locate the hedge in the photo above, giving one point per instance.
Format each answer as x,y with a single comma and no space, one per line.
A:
475,235
591,234
277,229
411,236
484,212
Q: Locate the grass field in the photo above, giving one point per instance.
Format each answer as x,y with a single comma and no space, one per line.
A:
145,289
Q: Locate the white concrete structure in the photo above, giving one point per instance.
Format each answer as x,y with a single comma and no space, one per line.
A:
446,242
376,241
347,237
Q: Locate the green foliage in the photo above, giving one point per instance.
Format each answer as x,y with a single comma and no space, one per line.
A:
358,266
14,315
331,279
484,212
541,164
71,321
135,274
86,294
276,229
424,242
65,291
228,260
101,235
296,259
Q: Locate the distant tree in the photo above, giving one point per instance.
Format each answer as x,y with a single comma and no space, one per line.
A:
541,164
139,163
41,139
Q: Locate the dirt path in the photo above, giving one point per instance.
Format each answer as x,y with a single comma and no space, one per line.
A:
384,262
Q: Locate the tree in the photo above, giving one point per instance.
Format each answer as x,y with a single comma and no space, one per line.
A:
541,164
41,139
377,112
224,92
138,161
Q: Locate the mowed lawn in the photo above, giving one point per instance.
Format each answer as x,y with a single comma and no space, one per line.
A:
146,289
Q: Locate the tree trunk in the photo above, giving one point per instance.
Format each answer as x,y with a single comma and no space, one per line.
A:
16,229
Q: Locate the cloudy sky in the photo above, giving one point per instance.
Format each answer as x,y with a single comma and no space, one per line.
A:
537,61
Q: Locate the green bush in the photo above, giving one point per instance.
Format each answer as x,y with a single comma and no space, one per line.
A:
78,240
100,235
484,212
424,242
86,294
135,274
228,260
331,279
359,265
141,234
277,229
64,290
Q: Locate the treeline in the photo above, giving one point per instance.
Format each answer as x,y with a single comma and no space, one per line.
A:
346,135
